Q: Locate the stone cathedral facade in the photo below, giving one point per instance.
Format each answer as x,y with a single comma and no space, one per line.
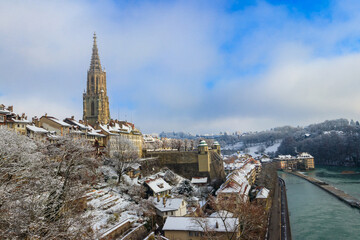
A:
95,99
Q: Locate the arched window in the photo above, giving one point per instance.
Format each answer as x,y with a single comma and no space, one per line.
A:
92,84
92,108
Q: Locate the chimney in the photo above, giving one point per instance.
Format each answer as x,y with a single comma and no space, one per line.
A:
164,201
158,197
11,108
72,117
45,114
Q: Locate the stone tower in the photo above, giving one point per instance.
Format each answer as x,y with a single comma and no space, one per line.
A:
203,157
96,102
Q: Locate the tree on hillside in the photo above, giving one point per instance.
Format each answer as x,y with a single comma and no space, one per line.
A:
40,185
252,219
125,155
75,170
261,149
287,146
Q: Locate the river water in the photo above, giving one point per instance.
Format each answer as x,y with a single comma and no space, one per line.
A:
315,214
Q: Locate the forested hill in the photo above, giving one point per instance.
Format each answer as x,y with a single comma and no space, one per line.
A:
335,142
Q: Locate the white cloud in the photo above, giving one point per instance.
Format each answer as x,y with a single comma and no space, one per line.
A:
268,67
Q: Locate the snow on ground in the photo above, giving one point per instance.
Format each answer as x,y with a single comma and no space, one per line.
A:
106,204
273,148
235,146
254,149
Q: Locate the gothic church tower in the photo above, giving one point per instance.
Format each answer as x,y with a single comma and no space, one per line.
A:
96,102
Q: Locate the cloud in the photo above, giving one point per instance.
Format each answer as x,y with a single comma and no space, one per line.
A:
184,65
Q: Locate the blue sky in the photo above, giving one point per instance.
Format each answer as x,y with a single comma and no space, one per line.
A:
194,66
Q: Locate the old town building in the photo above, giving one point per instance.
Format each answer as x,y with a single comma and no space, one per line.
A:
12,120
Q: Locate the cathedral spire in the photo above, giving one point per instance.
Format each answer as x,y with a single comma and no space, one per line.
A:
95,59
95,99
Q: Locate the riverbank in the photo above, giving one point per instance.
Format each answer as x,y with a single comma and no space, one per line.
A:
350,200
317,215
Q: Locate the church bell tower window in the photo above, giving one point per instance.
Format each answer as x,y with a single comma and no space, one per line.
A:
92,108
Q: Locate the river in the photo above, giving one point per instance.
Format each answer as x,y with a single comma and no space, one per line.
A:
315,214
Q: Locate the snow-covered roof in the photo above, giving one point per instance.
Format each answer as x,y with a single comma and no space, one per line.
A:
263,193
82,126
171,204
64,124
265,160
200,224
304,155
222,213
94,133
21,120
237,181
4,112
199,180
158,185
36,129
135,166
104,128
202,143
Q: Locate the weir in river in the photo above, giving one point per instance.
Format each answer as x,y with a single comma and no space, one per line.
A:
314,214
353,202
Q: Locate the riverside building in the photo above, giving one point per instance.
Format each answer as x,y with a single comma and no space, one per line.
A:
303,161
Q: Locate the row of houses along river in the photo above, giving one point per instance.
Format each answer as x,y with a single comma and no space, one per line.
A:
316,214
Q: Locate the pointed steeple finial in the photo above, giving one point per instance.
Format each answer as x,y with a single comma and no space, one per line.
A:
95,59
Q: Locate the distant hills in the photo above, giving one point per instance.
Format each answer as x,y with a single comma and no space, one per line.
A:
332,142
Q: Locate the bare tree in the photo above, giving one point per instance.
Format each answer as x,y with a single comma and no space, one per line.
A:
209,142
252,217
166,143
125,156
187,144
41,185
244,220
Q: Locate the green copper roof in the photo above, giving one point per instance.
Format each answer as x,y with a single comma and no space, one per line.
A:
202,143
216,143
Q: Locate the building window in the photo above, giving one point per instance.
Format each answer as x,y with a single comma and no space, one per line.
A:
2,119
92,108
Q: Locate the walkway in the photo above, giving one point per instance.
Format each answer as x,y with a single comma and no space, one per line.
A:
285,220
